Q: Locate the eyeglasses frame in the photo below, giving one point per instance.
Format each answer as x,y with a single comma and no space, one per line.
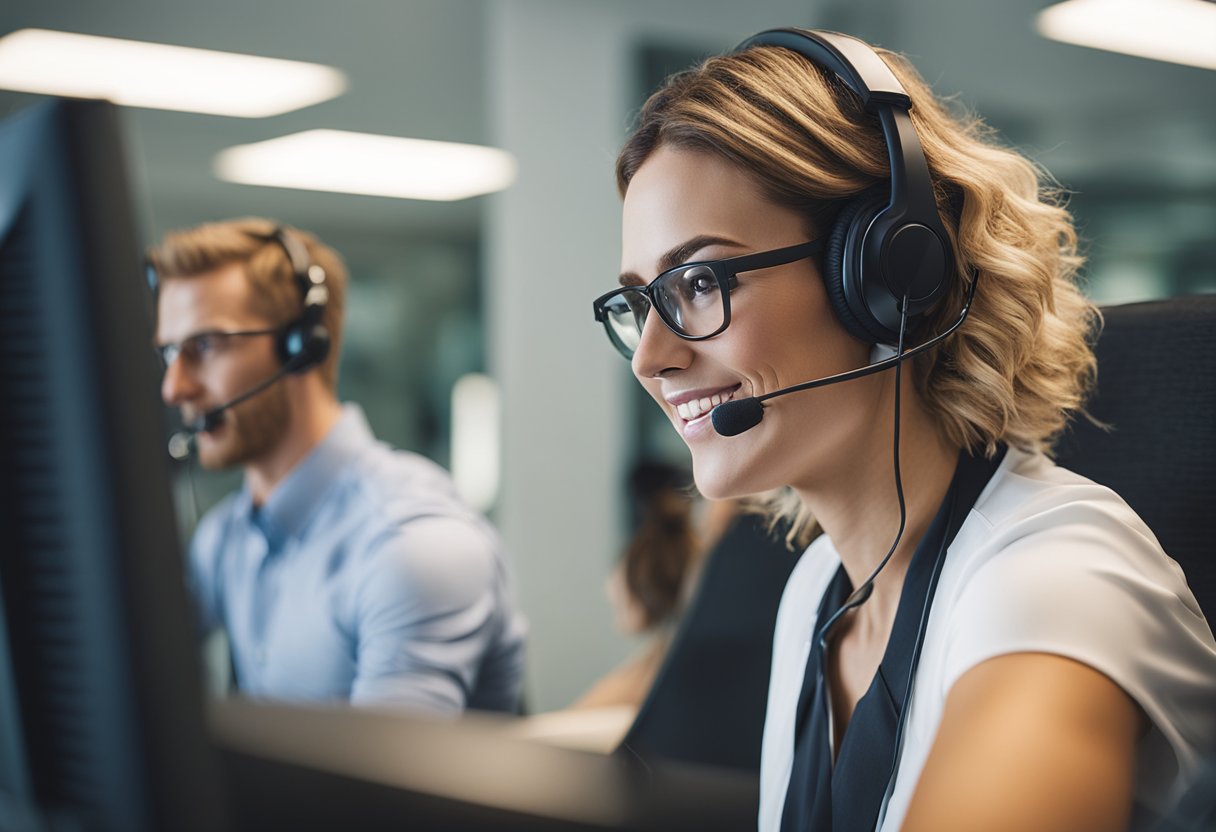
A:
161,349
725,271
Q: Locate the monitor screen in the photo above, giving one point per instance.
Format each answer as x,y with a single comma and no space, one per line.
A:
100,698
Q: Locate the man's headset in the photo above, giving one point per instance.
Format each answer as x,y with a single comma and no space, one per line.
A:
887,247
300,345
305,342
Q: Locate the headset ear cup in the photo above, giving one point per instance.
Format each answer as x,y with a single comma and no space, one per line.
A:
303,346
860,212
288,343
316,345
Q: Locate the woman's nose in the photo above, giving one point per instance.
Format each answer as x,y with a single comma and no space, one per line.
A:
660,351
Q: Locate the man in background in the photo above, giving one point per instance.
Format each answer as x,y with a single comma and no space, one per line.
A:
342,569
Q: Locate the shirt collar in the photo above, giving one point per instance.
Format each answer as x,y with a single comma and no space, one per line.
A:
293,502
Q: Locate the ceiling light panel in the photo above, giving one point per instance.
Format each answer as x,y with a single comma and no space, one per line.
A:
1178,31
155,75
361,163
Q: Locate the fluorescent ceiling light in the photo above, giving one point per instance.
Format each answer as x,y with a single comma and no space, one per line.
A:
156,75
359,163
1178,31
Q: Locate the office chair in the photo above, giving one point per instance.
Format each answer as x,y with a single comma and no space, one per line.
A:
1157,391
708,700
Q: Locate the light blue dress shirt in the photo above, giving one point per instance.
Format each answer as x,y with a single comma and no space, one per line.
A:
363,578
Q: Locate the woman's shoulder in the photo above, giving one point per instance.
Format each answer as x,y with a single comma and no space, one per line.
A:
1043,539
1051,524
1030,492
1052,562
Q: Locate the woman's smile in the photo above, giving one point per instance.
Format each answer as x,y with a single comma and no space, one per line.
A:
691,409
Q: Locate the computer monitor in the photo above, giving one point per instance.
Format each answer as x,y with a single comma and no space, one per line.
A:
102,717
100,697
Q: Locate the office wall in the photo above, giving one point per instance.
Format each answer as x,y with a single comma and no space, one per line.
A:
560,89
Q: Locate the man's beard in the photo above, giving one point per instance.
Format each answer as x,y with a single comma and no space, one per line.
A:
251,430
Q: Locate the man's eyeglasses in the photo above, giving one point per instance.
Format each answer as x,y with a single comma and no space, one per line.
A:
693,300
201,345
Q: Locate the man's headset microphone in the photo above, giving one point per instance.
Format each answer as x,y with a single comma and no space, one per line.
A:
300,345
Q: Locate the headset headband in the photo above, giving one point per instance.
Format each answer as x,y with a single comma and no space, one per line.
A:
309,276
853,60
861,68
886,252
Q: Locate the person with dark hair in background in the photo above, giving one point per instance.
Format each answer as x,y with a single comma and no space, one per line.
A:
649,584
990,642
343,569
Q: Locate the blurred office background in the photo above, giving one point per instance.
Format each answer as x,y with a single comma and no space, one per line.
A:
500,286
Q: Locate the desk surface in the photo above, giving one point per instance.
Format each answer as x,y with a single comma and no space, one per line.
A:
316,768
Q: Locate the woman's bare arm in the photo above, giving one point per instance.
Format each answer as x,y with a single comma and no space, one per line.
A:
1030,741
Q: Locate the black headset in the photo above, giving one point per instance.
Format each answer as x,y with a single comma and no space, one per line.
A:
889,243
304,343
888,261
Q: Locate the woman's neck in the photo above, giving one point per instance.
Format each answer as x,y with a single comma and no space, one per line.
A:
858,507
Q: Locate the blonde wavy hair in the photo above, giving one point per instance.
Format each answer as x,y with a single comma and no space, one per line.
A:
1023,363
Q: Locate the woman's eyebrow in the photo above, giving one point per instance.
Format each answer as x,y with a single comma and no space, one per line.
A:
679,255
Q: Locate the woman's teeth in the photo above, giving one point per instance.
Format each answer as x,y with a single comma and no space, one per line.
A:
697,407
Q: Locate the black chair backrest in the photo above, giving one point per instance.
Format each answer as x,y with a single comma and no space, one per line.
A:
708,699
1157,392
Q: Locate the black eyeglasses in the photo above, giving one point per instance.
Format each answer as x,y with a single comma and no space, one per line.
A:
200,345
693,300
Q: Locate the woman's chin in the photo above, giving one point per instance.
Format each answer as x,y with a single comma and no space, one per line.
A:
713,483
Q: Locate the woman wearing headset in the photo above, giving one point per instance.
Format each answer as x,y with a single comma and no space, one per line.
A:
1023,655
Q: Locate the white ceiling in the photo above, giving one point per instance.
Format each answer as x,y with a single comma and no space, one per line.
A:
417,68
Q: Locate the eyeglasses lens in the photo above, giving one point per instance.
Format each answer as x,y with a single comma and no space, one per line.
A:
691,301
626,315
